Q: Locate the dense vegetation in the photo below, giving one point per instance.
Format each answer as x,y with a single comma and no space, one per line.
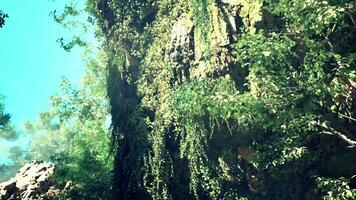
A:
253,99
210,99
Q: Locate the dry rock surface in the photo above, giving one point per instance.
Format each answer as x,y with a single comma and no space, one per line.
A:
33,181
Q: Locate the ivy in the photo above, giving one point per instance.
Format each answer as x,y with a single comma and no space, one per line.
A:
257,127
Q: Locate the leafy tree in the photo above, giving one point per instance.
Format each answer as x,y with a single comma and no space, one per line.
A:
4,117
48,137
73,134
16,154
2,18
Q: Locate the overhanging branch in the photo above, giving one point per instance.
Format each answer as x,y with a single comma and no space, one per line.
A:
331,131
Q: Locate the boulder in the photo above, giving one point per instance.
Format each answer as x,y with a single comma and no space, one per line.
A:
33,181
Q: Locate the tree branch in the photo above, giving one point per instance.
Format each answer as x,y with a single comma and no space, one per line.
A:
331,131
345,116
351,17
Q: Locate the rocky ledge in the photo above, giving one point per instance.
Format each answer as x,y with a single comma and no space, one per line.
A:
33,181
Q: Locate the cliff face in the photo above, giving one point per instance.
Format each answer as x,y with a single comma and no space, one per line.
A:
149,63
33,181
216,99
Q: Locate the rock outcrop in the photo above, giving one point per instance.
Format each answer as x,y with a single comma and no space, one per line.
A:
33,181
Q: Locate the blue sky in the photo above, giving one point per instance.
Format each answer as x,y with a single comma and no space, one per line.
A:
31,61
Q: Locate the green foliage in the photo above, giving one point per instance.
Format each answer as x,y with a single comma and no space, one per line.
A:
7,131
74,18
86,162
268,124
336,189
83,174
293,80
4,117
17,158
202,23
2,18
315,16
74,135
75,41
48,136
